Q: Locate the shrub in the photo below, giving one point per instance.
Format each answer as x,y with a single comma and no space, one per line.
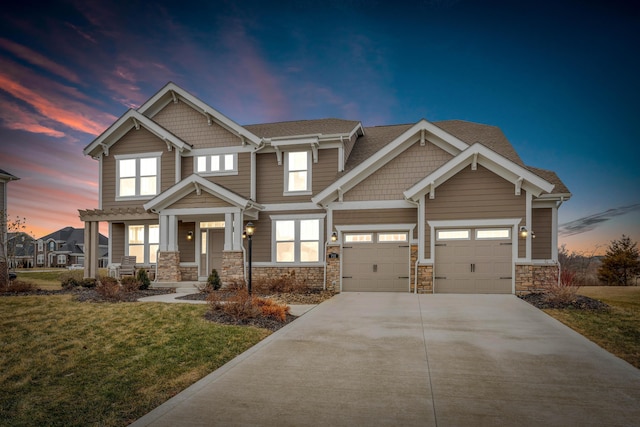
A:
287,283
88,282
240,306
562,291
109,288
143,279
71,279
130,283
213,281
18,285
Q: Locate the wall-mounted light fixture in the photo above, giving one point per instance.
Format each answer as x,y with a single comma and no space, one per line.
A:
523,232
533,234
334,237
190,235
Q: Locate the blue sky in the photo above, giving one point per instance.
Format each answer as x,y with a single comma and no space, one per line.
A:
559,78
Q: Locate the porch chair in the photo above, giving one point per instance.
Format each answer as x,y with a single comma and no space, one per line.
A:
128,266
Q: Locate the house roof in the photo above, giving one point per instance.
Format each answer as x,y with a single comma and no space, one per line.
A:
4,175
372,141
552,177
72,235
303,127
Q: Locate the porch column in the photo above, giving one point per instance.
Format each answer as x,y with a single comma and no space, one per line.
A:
91,249
172,245
164,233
228,232
237,228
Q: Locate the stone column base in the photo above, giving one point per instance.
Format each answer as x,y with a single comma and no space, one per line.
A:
232,268
531,278
169,267
425,279
333,268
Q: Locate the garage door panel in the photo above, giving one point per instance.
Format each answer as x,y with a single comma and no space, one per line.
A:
391,271
473,266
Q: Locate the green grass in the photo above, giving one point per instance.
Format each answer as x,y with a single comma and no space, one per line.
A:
70,363
618,330
49,279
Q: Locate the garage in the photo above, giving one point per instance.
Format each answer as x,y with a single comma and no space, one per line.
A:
474,260
375,262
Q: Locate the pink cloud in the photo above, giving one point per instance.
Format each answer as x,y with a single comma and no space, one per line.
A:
15,117
38,60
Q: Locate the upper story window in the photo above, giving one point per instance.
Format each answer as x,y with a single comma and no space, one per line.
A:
40,246
138,176
297,172
217,164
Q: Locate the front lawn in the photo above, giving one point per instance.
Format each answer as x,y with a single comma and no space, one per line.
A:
616,330
70,363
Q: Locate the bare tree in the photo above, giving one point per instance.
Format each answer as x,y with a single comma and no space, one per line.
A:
8,225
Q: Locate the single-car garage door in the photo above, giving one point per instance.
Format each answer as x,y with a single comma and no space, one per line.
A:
477,261
375,262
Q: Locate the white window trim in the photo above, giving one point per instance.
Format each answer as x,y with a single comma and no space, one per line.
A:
209,172
157,155
61,257
146,243
296,218
507,229
309,190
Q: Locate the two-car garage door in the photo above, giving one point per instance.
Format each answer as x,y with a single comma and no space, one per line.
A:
476,261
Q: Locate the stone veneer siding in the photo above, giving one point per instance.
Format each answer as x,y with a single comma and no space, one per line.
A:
425,279
169,267
189,273
312,276
232,267
530,278
333,269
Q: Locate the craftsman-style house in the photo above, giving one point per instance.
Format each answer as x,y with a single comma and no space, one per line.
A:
425,207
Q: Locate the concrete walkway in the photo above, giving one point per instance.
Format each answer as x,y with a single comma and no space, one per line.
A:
415,360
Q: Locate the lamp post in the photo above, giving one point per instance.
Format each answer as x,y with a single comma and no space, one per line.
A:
249,229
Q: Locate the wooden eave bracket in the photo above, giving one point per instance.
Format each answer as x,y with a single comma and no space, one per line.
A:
278,155
422,138
136,123
169,145
474,162
175,98
340,194
105,148
314,149
519,185
432,190
198,189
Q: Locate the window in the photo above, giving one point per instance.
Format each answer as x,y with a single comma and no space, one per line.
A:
40,260
218,164
493,233
297,172
393,237
358,238
52,246
62,259
138,176
40,246
212,224
453,234
297,240
143,242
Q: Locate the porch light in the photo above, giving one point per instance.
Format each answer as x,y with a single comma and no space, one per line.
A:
523,232
190,235
334,237
249,229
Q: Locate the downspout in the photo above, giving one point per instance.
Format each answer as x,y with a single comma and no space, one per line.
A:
324,282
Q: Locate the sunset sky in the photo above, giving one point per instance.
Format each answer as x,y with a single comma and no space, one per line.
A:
560,78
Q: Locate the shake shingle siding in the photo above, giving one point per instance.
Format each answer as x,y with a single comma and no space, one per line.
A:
193,128
389,182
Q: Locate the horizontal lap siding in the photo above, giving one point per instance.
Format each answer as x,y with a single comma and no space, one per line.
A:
204,200
240,183
270,183
390,181
474,195
135,142
193,128
375,217
117,241
187,247
541,224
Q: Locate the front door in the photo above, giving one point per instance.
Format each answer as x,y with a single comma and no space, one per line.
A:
211,247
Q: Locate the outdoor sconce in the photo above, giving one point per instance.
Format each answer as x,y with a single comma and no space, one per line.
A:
334,237
533,234
523,232
190,235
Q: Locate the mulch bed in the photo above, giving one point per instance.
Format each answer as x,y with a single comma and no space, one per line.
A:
313,296
259,322
580,302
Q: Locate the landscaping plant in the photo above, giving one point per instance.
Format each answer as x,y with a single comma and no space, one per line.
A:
143,279
213,281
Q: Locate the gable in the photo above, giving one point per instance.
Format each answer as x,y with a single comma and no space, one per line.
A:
391,180
202,200
193,127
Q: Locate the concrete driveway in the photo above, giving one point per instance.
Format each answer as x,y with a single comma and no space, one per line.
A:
415,360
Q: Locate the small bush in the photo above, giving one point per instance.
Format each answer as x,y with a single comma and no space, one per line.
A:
563,291
213,281
240,306
88,282
109,288
130,283
143,279
71,279
18,285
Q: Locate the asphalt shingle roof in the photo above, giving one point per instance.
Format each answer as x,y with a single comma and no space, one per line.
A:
302,127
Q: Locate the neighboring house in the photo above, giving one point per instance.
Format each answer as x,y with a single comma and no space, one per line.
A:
65,247
5,178
20,250
426,207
